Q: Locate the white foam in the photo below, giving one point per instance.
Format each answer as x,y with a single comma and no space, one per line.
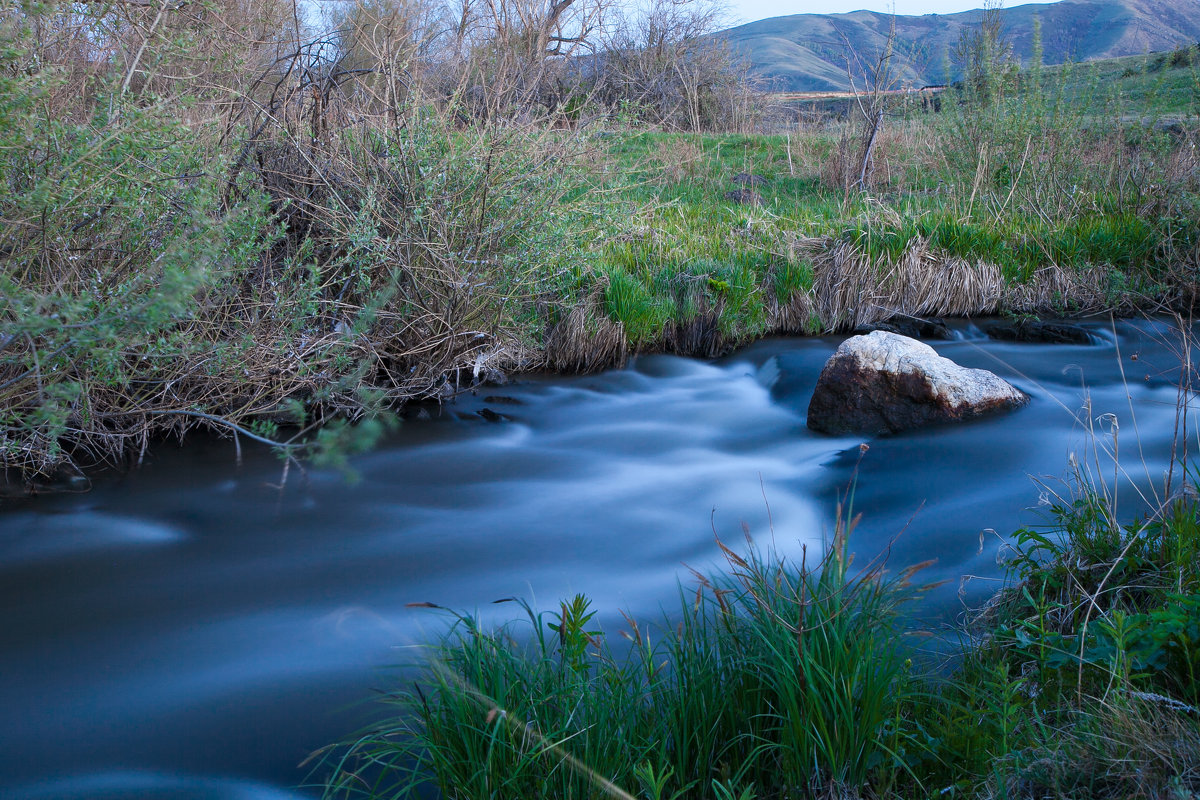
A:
33,537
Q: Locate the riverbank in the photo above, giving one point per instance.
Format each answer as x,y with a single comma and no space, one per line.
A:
277,259
584,250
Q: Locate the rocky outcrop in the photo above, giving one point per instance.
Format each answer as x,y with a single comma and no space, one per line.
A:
885,383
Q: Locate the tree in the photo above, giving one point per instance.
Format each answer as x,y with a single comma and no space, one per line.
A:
984,56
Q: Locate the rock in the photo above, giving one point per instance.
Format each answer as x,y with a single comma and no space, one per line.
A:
1040,332
885,383
746,179
745,197
871,327
924,329
912,327
503,400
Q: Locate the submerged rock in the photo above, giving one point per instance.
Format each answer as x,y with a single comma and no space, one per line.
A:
885,383
491,416
1040,332
912,327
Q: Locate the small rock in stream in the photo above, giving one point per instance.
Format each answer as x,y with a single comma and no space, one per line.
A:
490,416
1040,332
912,327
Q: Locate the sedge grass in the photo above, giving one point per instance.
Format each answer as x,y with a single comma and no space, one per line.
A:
775,680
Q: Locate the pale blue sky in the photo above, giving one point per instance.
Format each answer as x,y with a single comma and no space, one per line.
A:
751,10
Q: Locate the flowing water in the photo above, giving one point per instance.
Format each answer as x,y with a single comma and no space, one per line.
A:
193,630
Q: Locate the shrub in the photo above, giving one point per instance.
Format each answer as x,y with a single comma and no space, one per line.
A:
355,251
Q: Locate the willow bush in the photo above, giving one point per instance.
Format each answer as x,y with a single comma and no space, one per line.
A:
260,261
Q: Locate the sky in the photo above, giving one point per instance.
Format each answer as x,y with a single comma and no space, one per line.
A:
751,10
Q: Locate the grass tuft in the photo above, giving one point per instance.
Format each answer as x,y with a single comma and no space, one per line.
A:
777,679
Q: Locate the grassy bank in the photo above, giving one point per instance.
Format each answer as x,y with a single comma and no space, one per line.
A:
967,213
271,236
779,679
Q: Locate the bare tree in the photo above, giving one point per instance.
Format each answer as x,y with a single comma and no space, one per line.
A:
874,84
661,60
499,59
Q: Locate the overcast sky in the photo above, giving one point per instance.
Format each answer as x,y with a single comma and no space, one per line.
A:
751,10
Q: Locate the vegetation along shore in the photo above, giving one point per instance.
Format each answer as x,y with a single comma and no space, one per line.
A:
216,217
253,229
779,679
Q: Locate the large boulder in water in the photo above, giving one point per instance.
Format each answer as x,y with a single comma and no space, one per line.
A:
885,383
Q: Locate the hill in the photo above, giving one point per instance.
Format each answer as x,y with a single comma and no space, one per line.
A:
807,52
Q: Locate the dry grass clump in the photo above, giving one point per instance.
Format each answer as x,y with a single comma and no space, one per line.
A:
586,340
797,314
699,335
1087,290
850,288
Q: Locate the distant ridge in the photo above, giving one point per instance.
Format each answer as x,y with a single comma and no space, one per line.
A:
806,52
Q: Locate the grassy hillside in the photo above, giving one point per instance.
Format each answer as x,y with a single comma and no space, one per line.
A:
807,52
1146,85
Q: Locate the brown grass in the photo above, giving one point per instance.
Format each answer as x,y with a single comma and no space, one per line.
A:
1133,747
586,340
850,289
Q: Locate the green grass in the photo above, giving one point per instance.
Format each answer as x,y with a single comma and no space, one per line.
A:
166,274
1040,193
776,677
1156,84
1019,247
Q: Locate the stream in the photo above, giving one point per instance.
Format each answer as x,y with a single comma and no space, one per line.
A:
194,629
